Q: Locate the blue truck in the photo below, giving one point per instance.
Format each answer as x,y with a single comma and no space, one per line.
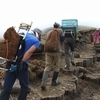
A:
70,26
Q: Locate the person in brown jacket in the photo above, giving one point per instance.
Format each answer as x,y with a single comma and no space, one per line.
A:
52,60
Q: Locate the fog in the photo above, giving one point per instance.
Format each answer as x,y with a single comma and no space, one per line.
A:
43,13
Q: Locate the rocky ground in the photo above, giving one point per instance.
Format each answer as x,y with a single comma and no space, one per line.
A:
81,82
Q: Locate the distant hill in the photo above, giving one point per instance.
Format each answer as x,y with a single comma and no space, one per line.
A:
80,27
46,30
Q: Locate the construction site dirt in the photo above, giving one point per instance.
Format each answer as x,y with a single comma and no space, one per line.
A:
80,82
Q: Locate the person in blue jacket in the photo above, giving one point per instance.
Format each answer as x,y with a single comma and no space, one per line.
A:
21,73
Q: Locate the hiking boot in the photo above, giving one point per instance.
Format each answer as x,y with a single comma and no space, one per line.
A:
72,58
54,79
54,83
44,79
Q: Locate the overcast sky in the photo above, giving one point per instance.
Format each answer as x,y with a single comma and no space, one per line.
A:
44,13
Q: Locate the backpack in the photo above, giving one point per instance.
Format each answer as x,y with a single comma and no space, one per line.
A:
20,50
70,33
52,42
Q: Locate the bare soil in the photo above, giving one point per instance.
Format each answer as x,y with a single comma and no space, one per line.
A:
85,88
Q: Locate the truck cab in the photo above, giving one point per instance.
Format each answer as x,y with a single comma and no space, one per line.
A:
70,27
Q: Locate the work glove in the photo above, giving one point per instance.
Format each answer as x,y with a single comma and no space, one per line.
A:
13,68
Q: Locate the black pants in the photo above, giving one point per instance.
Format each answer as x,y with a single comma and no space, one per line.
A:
69,44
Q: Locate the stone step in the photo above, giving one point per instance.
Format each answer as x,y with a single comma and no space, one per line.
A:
67,86
92,77
88,62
